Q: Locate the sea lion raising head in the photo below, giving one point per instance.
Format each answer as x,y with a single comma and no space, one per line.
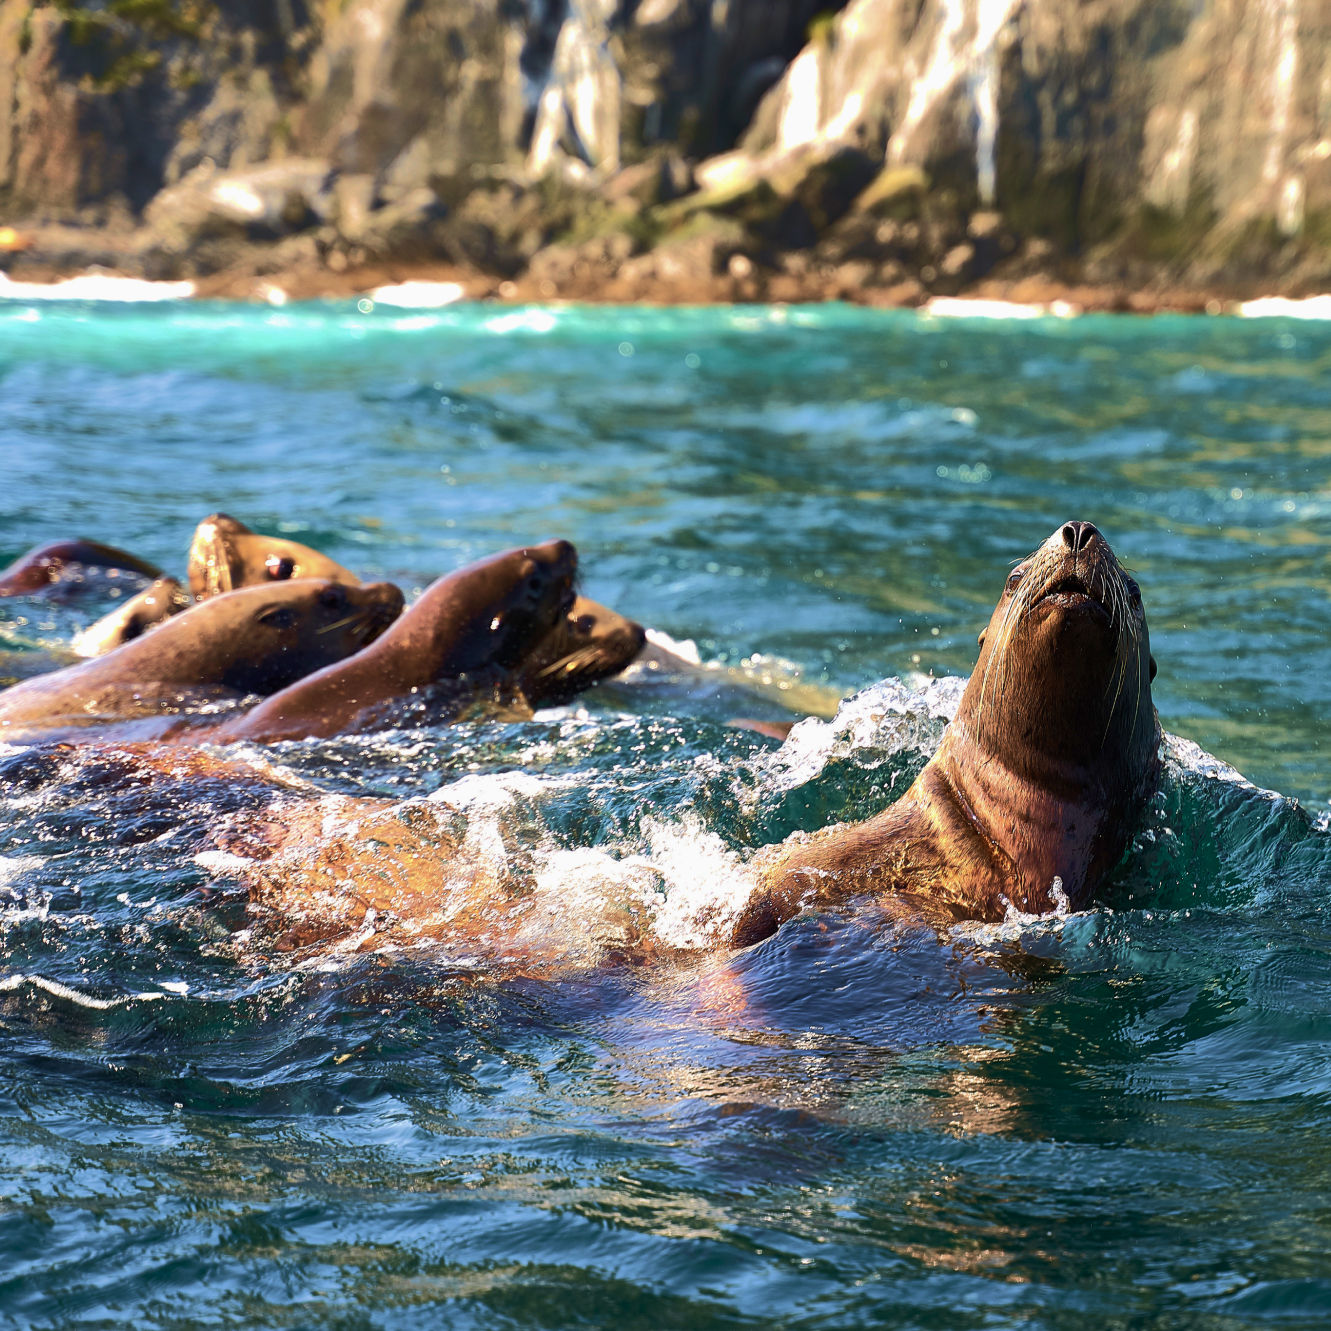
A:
226,554
62,565
1032,795
255,640
1065,666
465,639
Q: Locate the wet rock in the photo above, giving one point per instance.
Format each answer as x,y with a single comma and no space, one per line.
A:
263,203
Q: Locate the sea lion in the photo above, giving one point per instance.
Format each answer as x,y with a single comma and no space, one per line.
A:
61,564
1032,795
153,605
255,640
226,554
466,638
588,644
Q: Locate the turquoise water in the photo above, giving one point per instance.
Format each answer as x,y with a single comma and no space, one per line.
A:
1114,1119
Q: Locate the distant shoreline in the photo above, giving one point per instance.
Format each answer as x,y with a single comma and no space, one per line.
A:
1029,295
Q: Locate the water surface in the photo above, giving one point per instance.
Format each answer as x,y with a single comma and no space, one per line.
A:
1117,1118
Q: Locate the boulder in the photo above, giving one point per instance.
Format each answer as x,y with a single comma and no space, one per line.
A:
263,203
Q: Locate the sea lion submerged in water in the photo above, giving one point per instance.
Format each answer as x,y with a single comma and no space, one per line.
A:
152,606
255,640
466,637
226,554
1032,795
61,564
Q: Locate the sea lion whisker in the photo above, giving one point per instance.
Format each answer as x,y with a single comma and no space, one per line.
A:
341,623
568,664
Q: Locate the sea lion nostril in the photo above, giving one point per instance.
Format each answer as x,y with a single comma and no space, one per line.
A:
1077,535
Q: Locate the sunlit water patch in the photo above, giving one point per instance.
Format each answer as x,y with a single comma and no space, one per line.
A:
1107,1117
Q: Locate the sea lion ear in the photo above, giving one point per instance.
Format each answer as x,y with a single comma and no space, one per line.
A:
983,632
1152,660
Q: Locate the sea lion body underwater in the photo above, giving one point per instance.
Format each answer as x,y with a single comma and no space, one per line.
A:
255,640
466,638
60,566
1035,788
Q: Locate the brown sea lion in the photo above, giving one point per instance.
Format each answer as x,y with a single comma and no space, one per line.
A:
1032,795
255,640
152,606
226,554
588,644
466,638
61,564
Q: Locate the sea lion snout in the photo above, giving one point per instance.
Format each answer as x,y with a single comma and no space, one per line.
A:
1077,535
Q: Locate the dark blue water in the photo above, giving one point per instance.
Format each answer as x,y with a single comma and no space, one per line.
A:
1117,1118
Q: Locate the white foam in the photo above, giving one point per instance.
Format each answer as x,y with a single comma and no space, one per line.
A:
523,321
1283,307
960,307
870,719
1195,759
95,285
11,983
685,648
419,295
11,866
221,861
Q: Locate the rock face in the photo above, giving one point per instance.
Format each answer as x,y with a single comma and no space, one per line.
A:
1178,131
917,141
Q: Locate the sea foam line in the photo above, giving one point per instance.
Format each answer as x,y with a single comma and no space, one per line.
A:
95,286
10,983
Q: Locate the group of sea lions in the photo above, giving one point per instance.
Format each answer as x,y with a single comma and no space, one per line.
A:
1027,805
272,618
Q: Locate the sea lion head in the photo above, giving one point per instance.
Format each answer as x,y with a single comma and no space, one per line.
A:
1062,687
590,643
491,614
152,606
267,637
226,554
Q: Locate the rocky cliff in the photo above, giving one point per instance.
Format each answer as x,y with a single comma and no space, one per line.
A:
585,146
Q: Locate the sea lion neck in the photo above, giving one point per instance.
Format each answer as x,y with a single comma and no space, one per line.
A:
1047,837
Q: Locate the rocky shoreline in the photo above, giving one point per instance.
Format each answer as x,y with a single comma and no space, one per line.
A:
601,273
1133,155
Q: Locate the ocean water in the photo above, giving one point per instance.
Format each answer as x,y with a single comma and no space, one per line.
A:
1116,1118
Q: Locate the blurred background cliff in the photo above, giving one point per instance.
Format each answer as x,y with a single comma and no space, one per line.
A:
880,149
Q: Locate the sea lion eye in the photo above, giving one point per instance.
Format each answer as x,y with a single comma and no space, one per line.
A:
1014,579
1134,591
333,598
279,567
